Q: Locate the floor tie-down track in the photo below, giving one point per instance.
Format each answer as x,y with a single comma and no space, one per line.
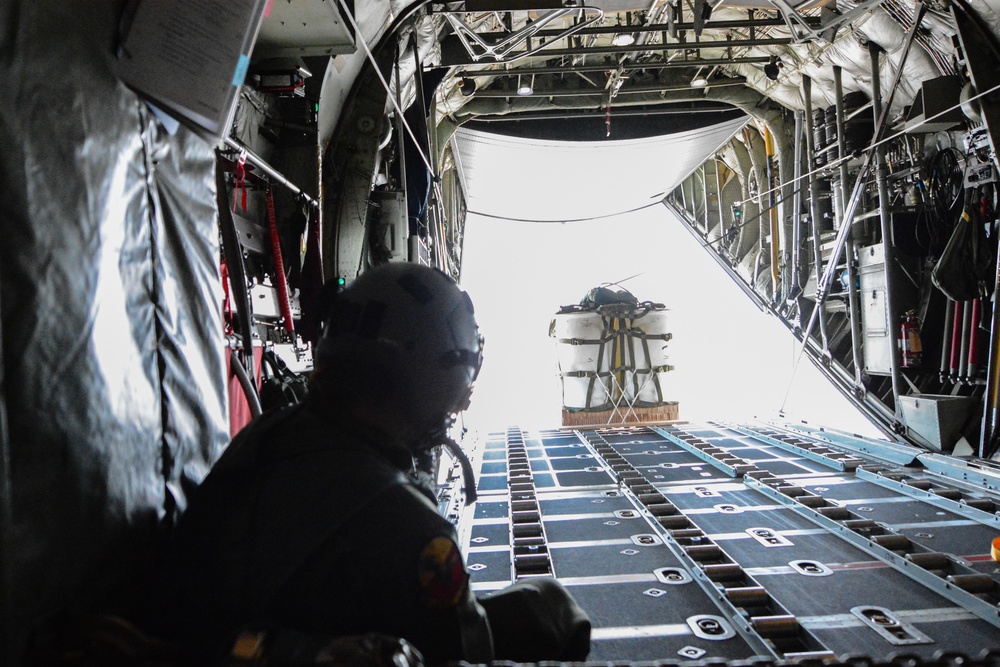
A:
725,542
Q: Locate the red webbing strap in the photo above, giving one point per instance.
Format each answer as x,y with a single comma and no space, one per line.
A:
279,265
240,190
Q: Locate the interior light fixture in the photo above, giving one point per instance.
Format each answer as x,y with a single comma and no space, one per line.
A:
525,88
623,39
699,80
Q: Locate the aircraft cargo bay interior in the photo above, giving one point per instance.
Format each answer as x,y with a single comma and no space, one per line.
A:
241,322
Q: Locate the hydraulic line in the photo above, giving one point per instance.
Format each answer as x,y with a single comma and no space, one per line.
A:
772,210
946,341
963,361
956,338
798,275
974,361
840,202
814,216
281,283
885,221
253,399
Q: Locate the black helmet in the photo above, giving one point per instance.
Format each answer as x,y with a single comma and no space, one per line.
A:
408,332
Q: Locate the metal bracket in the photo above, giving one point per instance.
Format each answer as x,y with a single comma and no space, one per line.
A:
886,624
479,49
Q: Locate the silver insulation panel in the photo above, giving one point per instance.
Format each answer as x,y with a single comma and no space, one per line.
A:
112,349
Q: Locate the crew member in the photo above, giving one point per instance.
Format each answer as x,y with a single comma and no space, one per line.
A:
312,520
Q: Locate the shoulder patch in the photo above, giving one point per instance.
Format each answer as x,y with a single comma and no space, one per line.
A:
441,573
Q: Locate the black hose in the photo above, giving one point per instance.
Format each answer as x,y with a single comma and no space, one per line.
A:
241,374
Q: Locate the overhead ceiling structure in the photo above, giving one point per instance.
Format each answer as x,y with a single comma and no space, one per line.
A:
658,54
561,181
815,135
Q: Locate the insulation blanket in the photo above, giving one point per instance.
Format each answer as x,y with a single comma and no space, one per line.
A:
112,363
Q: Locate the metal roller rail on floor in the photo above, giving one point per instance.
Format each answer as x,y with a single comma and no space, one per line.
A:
720,542
944,659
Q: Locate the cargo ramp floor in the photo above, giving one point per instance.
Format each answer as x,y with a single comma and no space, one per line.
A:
722,542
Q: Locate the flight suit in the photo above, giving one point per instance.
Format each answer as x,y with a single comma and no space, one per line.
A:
304,526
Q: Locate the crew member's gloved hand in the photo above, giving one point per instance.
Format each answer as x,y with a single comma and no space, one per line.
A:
537,619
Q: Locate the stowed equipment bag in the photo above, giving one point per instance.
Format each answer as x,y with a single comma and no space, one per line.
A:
966,266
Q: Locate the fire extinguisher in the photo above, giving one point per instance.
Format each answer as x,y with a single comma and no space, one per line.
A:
909,336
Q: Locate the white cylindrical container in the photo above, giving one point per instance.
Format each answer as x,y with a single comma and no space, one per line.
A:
586,391
582,353
649,340
650,329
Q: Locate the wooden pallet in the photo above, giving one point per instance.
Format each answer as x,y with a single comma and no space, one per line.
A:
660,414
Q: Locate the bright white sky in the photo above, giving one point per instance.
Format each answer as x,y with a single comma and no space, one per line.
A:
733,362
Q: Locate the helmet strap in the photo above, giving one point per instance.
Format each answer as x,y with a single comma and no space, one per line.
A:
468,476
